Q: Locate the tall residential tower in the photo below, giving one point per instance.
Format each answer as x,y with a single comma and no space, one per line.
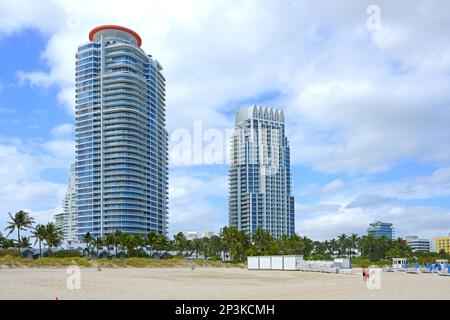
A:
260,191
121,140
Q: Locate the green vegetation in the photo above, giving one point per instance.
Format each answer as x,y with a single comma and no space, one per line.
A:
21,221
59,262
66,254
363,251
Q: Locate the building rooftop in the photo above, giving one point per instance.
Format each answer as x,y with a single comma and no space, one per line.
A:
115,30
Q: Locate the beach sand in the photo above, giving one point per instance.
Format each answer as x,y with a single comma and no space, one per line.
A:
215,283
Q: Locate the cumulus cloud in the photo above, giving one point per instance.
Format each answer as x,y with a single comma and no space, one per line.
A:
35,79
362,201
193,201
356,101
63,130
330,221
22,186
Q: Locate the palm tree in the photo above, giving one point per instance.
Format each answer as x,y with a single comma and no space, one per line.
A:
262,240
151,240
8,243
130,242
98,244
180,242
25,242
161,243
367,246
353,240
39,233
137,241
204,246
307,245
342,243
117,236
20,221
235,242
327,246
2,240
53,236
333,246
109,241
87,239
196,246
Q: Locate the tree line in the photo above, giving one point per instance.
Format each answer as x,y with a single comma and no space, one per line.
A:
237,244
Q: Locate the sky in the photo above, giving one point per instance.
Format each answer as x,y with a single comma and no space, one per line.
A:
365,95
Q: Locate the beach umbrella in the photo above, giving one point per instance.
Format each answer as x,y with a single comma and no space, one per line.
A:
417,265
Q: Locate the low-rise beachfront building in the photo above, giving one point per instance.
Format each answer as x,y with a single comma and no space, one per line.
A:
442,243
418,245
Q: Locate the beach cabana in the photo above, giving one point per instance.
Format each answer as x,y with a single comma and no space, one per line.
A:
29,253
399,263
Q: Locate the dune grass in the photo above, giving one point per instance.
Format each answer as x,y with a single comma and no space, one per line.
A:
18,262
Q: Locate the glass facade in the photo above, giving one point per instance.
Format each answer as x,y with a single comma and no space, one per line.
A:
381,229
121,141
260,190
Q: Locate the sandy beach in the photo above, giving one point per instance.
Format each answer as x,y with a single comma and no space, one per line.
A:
215,283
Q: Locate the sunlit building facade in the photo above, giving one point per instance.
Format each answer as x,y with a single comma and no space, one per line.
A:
260,187
442,244
121,140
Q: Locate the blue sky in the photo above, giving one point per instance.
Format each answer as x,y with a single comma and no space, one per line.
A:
368,111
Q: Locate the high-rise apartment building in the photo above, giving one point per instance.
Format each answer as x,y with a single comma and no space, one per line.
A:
121,140
67,220
380,229
260,191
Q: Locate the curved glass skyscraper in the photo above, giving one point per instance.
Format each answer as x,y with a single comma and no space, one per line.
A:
121,141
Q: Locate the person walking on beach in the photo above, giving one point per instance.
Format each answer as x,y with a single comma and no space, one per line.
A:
364,274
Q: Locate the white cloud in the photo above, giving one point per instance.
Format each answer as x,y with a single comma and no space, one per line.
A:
197,201
22,186
322,222
63,130
361,202
35,79
355,101
62,151
333,186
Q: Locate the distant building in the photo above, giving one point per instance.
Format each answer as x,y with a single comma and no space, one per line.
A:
443,243
380,229
192,235
67,220
207,234
418,245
